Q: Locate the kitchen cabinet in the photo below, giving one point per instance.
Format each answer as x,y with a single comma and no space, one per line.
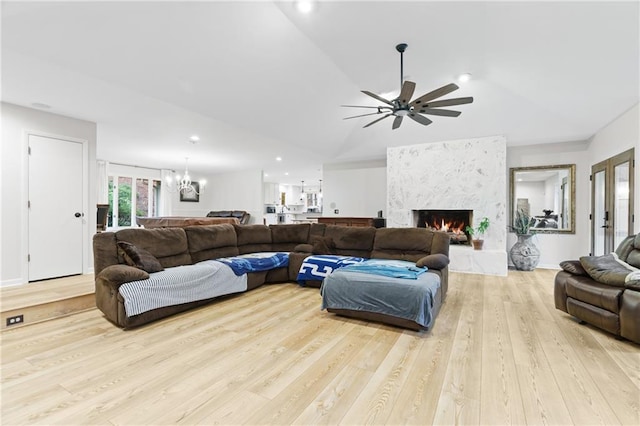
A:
271,193
292,196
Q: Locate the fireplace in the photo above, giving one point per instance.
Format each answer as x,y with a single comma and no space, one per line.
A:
453,222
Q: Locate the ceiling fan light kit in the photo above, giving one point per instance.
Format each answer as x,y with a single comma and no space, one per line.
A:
402,106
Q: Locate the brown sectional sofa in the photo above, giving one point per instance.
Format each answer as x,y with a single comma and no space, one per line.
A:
593,289
193,244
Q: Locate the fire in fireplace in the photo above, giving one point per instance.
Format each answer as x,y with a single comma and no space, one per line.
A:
453,222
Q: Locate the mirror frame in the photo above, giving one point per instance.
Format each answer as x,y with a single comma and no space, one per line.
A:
572,213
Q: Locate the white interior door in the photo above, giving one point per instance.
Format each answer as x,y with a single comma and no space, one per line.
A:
55,208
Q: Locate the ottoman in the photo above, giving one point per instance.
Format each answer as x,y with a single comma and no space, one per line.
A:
407,303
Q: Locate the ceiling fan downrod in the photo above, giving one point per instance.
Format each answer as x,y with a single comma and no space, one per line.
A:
401,48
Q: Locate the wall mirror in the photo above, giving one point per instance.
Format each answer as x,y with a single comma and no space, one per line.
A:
547,194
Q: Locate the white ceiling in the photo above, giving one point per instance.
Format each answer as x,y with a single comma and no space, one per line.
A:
256,80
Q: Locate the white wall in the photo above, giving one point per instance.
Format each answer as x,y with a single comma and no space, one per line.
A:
619,136
16,122
227,191
356,189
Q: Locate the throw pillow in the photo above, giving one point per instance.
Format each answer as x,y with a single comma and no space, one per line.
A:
139,258
322,245
433,261
573,267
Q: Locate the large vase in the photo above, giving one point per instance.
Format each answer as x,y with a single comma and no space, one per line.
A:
525,255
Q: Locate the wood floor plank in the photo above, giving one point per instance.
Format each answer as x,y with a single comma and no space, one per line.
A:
460,396
541,398
500,395
418,400
498,353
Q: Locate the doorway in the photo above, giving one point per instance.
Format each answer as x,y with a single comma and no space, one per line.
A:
56,219
612,190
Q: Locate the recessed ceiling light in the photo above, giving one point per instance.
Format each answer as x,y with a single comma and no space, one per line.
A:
193,139
266,175
278,158
40,105
286,173
463,78
304,6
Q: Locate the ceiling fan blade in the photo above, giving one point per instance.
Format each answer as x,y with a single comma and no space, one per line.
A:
397,122
448,102
420,119
361,106
407,92
435,94
375,121
361,115
374,96
444,112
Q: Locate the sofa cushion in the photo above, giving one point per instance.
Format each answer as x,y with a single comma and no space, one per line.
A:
625,247
409,244
212,241
573,267
287,237
322,245
253,238
588,291
168,245
139,257
351,240
633,258
433,261
296,233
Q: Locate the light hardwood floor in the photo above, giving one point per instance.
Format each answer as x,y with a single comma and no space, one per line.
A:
499,353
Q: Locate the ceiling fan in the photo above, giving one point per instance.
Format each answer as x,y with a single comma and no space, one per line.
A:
403,106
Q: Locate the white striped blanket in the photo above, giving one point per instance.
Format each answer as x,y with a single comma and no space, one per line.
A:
181,284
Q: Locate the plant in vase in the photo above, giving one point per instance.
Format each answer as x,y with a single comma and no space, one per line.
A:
480,230
525,255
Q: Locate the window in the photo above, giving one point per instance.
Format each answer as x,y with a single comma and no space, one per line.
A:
126,200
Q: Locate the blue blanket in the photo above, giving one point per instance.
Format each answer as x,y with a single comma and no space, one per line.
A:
255,262
317,267
388,268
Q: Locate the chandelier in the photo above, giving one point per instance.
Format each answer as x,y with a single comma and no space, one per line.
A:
183,184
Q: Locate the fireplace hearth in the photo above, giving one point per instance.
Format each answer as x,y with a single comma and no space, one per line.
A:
453,222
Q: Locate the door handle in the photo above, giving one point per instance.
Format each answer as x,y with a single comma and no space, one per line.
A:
78,214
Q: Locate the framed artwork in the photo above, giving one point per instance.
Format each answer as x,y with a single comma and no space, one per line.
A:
192,195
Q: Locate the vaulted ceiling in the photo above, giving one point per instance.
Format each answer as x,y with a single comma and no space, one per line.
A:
257,80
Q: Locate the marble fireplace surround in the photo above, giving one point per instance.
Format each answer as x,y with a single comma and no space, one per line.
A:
467,174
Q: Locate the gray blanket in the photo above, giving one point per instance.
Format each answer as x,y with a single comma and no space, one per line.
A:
414,300
607,269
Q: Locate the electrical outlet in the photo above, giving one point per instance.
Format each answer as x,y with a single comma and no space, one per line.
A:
18,319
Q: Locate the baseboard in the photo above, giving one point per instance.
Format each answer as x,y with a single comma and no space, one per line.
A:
11,283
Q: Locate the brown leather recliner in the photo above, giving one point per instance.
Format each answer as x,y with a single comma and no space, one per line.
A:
242,216
611,306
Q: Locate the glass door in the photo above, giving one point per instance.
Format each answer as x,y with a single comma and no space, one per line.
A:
612,190
599,215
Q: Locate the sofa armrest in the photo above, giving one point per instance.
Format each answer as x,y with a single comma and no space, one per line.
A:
303,248
434,261
108,281
114,276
